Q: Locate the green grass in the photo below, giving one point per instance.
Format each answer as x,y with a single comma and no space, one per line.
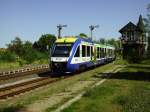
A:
4,66
121,62
8,66
126,91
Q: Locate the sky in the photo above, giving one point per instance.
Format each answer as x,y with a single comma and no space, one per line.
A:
29,19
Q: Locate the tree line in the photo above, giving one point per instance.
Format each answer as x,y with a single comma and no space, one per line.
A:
26,52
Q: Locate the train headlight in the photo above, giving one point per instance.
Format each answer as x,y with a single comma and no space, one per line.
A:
56,64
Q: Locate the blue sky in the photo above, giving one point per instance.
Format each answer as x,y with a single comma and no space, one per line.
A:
29,19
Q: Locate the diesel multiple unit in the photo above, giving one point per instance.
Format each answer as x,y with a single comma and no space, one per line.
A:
71,54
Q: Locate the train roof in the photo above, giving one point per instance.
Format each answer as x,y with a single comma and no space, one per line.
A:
72,39
69,39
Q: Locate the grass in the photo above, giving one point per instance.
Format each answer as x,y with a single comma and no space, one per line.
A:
42,93
126,91
4,66
8,66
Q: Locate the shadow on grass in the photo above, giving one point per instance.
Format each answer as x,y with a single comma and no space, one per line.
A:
139,76
53,74
147,68
61,73
11,109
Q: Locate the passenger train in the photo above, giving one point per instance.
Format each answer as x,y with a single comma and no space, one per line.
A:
72,54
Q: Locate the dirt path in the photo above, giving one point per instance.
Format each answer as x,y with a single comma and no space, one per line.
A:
69,92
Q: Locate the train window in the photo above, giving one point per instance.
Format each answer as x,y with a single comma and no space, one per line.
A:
110,54
91,51
77,52
88,51
102,52
105,54
83,51
97,52
62,50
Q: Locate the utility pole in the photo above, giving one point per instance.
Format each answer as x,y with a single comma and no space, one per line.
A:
92,27
59,29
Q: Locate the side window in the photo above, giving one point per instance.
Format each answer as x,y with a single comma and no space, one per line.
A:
105,52
77,52
91,51
88,51
83,50
100,53
97,50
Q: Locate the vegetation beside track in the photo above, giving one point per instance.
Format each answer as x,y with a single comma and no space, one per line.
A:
16,103
22,53
125,91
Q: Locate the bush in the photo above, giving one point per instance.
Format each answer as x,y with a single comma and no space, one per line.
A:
25,51
33,55
8,56
133,56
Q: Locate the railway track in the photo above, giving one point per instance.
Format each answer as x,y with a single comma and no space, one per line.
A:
16,89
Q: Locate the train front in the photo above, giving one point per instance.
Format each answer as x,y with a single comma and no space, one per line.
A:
61,53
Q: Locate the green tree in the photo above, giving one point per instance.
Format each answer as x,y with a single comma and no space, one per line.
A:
147,20
16,46
45,42
27,45
102,41
83,35
111,41
147,25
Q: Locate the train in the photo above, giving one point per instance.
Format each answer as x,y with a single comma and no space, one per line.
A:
75,53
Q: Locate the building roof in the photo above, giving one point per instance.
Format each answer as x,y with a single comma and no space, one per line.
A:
132,27
129,27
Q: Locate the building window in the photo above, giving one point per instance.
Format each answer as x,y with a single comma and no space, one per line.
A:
132,35
128,35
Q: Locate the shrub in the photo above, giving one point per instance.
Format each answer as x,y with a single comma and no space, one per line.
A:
33,55
8,56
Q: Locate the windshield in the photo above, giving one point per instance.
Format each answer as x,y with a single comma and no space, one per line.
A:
62,50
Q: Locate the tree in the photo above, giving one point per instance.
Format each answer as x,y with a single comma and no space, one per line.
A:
27,45
44,42
102,41
16,46
111,41
35,45
83,35
147,25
